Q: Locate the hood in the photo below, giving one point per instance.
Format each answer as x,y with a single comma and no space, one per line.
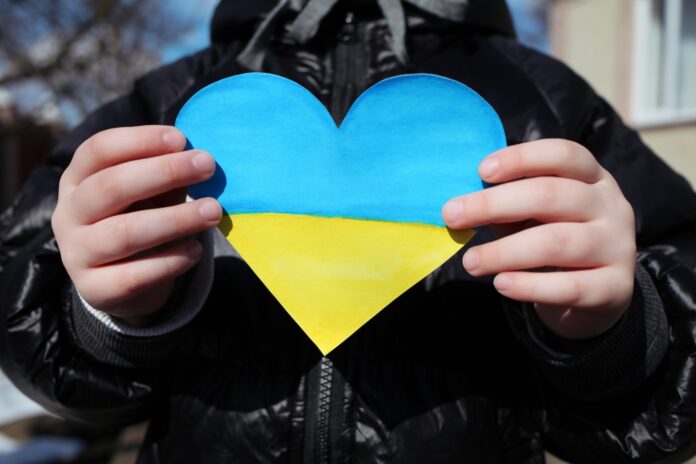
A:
237,18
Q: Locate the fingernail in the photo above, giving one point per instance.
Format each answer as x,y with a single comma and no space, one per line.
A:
452,211
173,139
489,167
502,282
203,162
471,260
209,210
194,250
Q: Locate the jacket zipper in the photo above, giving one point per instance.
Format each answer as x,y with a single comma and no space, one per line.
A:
348,59
324,410
348,67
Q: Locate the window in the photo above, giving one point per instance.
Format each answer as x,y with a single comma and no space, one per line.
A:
664,56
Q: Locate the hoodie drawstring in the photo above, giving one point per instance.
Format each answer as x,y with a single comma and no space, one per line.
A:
312,12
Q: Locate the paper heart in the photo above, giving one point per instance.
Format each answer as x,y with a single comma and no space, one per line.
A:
337,223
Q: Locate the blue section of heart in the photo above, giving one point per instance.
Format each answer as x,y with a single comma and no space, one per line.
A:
408,144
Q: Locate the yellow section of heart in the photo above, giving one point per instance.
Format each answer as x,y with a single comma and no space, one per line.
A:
332,275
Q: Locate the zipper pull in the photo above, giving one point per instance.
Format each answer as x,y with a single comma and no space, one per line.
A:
347,33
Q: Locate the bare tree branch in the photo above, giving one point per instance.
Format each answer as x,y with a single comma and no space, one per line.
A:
83,51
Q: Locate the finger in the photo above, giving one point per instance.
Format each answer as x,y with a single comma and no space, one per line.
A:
119,237
115,146
550,157
111,285
563,244
114,189
585,289
545,199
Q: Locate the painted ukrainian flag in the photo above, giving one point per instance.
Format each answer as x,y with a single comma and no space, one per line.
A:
337,223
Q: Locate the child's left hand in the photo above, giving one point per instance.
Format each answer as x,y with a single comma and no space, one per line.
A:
568,236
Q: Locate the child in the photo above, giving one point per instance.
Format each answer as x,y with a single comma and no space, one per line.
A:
116,311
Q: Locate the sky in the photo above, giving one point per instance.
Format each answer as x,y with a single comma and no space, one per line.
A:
201,11
530,20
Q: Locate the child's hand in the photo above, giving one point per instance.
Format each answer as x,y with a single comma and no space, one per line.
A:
563,217
121,218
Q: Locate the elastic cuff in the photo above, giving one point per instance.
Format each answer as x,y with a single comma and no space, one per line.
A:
116,343
612,363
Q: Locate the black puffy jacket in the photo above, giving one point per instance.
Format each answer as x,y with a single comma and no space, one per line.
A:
447,373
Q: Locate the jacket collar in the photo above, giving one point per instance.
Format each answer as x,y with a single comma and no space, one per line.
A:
234,19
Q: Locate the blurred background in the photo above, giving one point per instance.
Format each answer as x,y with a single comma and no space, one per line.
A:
60,59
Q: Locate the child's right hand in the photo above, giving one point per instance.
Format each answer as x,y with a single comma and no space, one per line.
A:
121,220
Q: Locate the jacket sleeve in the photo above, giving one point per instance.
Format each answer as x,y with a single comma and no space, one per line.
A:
52,348
630,394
